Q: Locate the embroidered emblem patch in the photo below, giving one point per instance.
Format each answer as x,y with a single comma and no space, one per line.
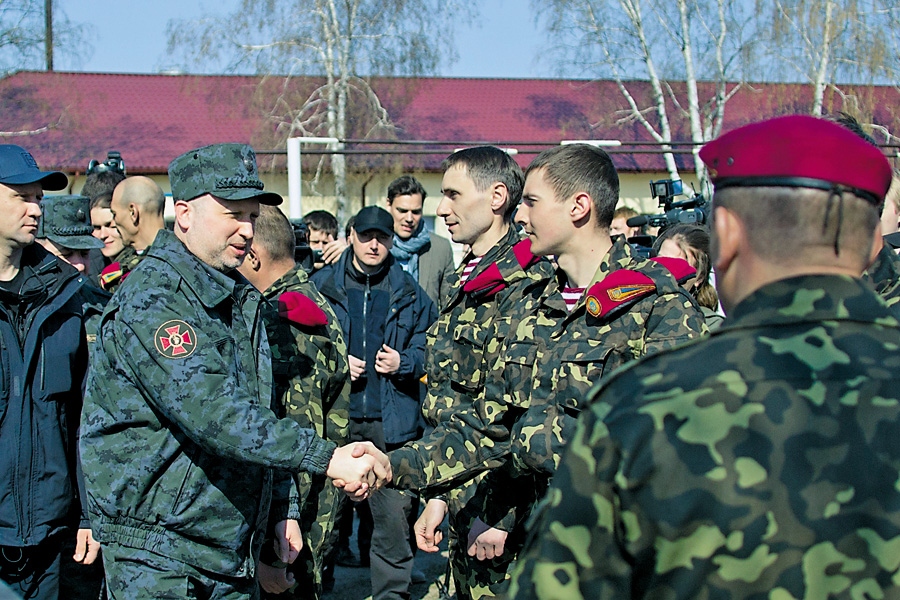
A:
175,339
626,292
593,306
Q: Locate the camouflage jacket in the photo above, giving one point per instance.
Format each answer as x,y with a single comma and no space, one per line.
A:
312,383
178,439
758,463
113,275
93,301
460,349
884,275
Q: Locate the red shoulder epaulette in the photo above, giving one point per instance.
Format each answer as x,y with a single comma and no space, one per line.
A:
490,281
111,274
300,309
618,288
680,269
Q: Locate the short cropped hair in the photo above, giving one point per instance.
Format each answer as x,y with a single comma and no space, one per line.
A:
322,220
623,212
581,168
102,182
486,165
101,200
405,185
789,225
273,232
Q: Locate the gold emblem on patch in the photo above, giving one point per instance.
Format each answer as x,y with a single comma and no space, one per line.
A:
175,339
627,292
593,306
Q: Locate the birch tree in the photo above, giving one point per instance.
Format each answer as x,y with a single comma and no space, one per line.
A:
827,43
342,41
22,29
659,43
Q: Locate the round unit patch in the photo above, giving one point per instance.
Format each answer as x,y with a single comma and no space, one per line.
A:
593,306
175,339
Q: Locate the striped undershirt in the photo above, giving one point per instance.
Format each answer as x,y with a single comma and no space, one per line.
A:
572,296
470,266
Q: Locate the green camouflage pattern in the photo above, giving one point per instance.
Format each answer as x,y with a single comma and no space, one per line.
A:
461,347
546,367
884,275
93,301
312,381
761,462
179,442
66,220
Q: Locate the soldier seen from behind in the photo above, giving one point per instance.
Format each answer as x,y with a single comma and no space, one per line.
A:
760,461
179,440
312,386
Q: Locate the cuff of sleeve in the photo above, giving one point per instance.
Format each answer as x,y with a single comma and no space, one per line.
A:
317,456
283,510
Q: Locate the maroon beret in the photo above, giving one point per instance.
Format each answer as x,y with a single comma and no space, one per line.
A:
798,151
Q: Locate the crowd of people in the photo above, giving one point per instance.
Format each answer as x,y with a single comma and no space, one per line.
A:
189,413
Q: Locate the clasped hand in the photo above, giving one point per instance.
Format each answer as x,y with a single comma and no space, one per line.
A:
359,468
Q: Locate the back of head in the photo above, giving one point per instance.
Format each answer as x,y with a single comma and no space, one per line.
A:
273,232
144,192
405,185
486,165
99,183
807,190
322,220
581,168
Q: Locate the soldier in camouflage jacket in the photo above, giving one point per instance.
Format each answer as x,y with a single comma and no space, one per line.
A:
481,187
759,462
311,377
884,274
179,441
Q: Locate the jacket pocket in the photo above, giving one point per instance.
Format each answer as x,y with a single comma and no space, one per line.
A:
519,357
469,369
576,374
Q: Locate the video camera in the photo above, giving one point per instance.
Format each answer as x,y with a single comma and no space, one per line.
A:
114,163
303,254
692,210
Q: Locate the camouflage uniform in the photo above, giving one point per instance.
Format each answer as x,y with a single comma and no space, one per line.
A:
309,364
758,463
178,441
458,354
884,275
113,275
548,364
93,301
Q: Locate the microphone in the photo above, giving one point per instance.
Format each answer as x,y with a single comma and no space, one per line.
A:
638,221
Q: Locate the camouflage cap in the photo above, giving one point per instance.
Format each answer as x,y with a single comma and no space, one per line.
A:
226,171
66,220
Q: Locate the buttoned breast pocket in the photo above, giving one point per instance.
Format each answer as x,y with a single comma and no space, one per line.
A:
468,368
576,373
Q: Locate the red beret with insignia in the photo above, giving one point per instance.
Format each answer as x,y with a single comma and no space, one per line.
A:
798,151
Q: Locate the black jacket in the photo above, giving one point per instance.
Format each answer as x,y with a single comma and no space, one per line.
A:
41,380
410,314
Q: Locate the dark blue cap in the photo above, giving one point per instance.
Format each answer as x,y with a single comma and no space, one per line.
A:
18,167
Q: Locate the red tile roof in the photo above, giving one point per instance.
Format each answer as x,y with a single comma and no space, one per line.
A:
151,119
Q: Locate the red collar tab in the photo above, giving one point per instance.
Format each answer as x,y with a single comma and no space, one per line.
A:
680,269
111,275
489,282
522,250
300,309
616,289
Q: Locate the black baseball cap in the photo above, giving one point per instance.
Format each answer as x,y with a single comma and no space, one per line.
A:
374,218
18,167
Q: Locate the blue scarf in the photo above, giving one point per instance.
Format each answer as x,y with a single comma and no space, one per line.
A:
407,251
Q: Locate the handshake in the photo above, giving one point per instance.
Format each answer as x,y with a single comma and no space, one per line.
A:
359,468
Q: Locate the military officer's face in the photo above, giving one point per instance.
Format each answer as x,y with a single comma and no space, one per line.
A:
218,232
466,210
20,213
120,214
543,217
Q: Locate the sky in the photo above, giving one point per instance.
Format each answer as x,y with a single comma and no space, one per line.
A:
130,36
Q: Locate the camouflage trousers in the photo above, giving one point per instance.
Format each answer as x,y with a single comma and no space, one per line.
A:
133,574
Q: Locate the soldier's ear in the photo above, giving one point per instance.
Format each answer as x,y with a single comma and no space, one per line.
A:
183,214
728,232
499,196
580,206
